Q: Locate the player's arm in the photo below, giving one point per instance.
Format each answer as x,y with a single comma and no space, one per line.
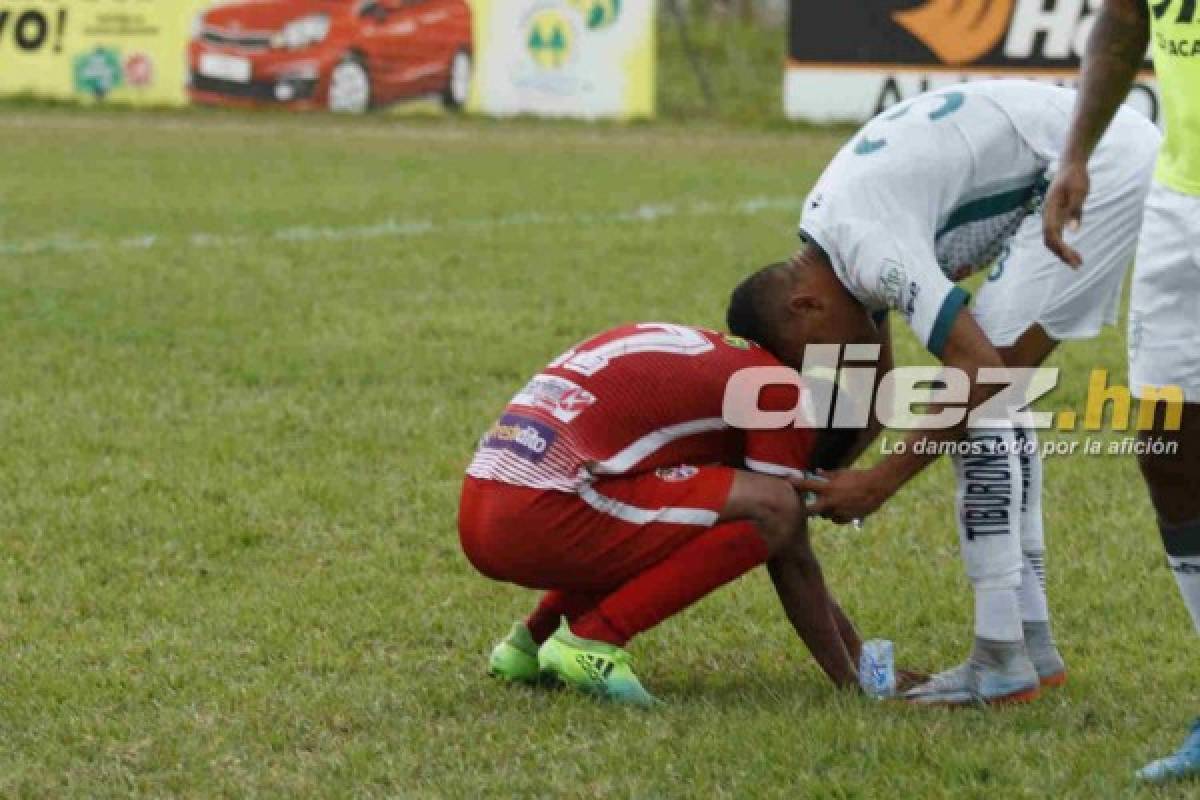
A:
1116,50
848,495
969,350
849,633
939,318
817,618
794,568
779,515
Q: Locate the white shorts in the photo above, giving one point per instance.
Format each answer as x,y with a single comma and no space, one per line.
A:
1029,284
1164,313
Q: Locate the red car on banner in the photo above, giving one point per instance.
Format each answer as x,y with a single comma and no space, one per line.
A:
344,55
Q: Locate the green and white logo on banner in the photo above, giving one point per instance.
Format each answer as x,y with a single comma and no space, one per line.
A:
98,72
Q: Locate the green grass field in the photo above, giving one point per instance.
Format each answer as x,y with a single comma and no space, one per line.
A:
245,362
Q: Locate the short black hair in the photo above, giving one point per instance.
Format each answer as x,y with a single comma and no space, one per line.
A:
749,314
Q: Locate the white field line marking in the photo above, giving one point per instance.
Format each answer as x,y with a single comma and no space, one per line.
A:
399,229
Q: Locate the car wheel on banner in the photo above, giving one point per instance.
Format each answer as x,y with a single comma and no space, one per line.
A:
350,87
458,90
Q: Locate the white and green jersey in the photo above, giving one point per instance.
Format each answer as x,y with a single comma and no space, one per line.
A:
932,190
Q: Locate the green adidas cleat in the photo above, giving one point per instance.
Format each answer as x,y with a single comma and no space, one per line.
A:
596,668
515,658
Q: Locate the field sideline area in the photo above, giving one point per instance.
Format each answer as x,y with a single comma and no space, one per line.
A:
246,361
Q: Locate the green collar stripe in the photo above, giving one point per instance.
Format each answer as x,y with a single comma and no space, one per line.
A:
953,304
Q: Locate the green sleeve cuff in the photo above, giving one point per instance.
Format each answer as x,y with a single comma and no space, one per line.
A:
951,306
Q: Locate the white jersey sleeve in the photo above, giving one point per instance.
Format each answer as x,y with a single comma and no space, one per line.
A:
887,272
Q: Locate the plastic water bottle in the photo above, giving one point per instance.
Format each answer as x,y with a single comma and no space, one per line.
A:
877,668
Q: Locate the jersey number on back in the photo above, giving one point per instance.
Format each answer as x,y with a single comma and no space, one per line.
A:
948,103
652,337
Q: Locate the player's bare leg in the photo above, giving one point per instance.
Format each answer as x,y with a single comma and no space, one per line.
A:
1163,340
1171,479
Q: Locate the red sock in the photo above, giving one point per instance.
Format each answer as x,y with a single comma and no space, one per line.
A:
553,607
711,560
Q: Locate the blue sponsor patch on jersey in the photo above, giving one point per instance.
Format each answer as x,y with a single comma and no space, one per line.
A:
524,436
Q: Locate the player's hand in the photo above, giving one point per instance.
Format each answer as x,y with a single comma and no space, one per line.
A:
844,495
1063,209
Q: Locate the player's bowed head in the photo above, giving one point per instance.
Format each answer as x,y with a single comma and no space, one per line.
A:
791,304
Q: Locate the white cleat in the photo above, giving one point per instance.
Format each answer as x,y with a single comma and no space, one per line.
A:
1051,669
1047,660
974,684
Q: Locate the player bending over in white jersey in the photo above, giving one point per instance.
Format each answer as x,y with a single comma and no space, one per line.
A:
934,190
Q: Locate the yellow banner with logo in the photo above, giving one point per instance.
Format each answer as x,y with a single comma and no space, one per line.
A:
587,58
578,58
122,50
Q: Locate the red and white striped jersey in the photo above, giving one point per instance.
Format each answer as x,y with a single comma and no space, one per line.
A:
633,399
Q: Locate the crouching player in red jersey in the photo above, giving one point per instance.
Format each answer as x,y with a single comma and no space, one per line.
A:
613,483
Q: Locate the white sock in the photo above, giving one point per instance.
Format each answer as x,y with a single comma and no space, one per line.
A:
1034,606
1187,577
989,528
998,615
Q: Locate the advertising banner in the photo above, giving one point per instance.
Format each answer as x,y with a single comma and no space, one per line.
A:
131,50
588,58
849,61
583,58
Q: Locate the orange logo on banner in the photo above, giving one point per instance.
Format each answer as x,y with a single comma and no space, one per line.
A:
958,31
